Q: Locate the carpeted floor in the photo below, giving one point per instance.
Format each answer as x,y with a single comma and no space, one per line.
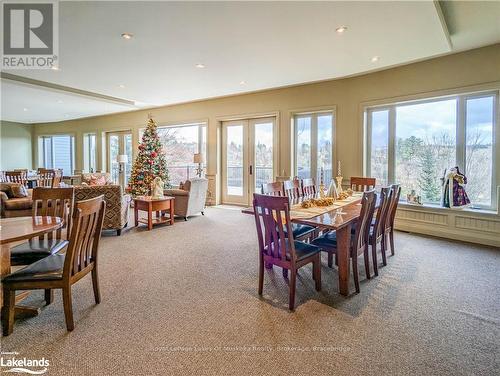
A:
183,300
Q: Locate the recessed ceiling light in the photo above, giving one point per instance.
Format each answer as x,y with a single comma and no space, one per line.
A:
127,35
25,109
200,65
55,67
375,59
341,29
121,86
59,101
243,82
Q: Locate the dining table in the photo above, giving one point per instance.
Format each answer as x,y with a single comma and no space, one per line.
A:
15,230
339,217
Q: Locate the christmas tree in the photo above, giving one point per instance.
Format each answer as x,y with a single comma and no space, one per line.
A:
149,164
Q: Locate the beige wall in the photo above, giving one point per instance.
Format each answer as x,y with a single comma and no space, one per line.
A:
15,145
476,67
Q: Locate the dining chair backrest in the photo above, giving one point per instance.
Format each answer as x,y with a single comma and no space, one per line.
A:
54,202
382,211
19,177
362,232
308,187
46,178
272,216
362,184
3,178
88,217
292,188
391,213
273,189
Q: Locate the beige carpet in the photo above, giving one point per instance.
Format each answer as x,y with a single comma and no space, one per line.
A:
183,300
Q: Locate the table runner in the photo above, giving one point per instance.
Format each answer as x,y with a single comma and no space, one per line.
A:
298,212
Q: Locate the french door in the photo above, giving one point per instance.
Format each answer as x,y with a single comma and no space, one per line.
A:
119,156
248,158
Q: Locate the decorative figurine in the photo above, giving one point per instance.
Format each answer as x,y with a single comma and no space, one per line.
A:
332,190
339,179
321,183
453,192
157,188
413,198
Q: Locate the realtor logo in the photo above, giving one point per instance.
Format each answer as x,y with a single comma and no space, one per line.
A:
30,35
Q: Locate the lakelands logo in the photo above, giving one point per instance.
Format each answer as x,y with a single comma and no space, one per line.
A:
30,35
10,364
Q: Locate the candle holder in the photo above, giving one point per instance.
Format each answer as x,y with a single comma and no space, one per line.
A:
339,184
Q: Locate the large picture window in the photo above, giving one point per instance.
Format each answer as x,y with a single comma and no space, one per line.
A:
57,152
413,143
180,143
89,151
313,134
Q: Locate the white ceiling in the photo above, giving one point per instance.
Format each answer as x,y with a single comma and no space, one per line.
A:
265,44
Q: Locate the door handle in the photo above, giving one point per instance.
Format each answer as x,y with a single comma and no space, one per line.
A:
250,170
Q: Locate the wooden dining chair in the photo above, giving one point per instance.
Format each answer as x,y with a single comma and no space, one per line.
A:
19,177
389,222
377,232
3,178
359,240
362,184
52,202
61,271
273,189
308,187
292,188
46,178
272,216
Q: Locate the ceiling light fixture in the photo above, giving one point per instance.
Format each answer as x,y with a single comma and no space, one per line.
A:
121,86
127,36
25,109
55,67
243,82
200,65
375,59
59,101
341,29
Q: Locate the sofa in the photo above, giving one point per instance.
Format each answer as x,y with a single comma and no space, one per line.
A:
189,197
117,204
14,206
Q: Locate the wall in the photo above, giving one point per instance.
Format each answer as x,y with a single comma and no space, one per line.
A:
15,145
348,96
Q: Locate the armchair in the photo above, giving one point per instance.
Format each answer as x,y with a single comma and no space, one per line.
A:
190,197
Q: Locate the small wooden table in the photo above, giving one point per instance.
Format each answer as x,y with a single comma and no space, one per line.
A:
158,205
18,229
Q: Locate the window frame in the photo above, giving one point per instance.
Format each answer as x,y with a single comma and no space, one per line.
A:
200,125
87,152
314,141
461,132
42,153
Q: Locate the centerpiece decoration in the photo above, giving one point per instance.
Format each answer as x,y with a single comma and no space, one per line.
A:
453,191
149,164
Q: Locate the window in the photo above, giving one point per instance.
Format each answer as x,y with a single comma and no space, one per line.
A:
414,143
57,152
180,143
313,135
89,150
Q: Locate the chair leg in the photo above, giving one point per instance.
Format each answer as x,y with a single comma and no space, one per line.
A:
383,248
49,296
355,272
285,273
68,308
330,259
367,262
118,232
291,298
9,302
317,272
261,276
391,236
95,285
336,260
374,258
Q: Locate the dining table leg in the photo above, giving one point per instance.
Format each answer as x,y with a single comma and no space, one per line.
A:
343,247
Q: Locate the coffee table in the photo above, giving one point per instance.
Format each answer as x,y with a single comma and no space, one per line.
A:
150,205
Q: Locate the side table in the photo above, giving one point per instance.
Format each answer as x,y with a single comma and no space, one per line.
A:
151,205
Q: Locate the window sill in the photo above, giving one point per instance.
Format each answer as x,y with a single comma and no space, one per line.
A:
437,208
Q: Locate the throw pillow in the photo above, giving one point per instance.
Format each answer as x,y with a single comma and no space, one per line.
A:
5,187
18,191
97,181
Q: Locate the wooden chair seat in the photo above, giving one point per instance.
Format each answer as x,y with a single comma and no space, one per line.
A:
302,250
300,231
35,250
48,269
